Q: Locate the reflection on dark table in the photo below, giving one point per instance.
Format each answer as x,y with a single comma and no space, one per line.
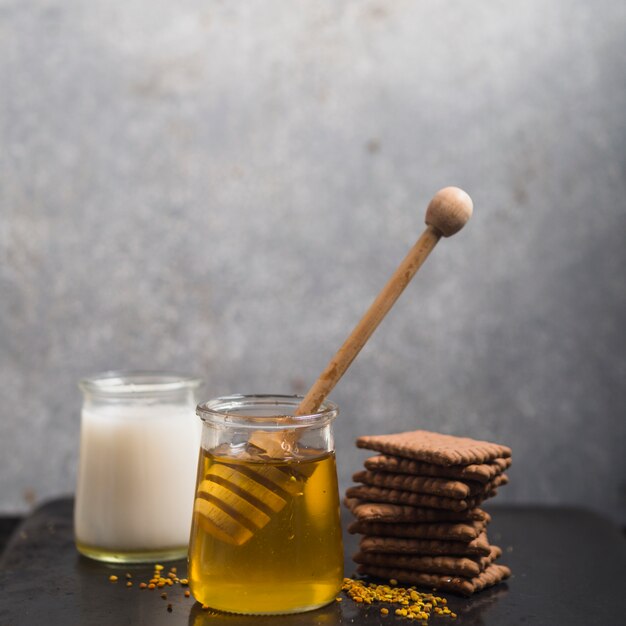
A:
326,616
569,567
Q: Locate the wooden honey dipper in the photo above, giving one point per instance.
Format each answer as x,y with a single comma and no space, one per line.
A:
233,504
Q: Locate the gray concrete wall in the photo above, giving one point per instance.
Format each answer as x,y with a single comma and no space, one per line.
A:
223,188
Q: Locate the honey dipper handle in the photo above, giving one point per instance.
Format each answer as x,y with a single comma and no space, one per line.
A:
447,213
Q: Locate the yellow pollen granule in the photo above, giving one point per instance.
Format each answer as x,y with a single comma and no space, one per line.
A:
411,604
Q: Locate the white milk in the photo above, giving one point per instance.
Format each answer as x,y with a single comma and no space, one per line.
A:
136,477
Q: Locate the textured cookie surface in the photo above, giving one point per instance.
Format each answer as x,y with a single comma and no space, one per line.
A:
425,484
480,473
448,531
389,512
431,547
435,448
396,496
493,575
466,566
419,484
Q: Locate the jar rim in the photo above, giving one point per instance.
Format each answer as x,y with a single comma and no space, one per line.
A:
225,410
125,383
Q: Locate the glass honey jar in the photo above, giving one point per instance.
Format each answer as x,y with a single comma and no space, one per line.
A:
266,531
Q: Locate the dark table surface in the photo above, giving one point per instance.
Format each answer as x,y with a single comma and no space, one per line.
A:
569,568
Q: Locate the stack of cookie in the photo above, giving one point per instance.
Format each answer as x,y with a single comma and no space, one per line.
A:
417,507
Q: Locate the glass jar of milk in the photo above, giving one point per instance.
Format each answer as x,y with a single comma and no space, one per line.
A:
139,446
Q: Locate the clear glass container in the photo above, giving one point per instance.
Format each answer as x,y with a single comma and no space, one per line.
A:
138,454
266,530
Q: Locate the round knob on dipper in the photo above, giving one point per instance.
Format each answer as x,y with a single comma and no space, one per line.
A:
449,210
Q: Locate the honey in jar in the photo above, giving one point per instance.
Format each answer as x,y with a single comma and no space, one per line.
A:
266,533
